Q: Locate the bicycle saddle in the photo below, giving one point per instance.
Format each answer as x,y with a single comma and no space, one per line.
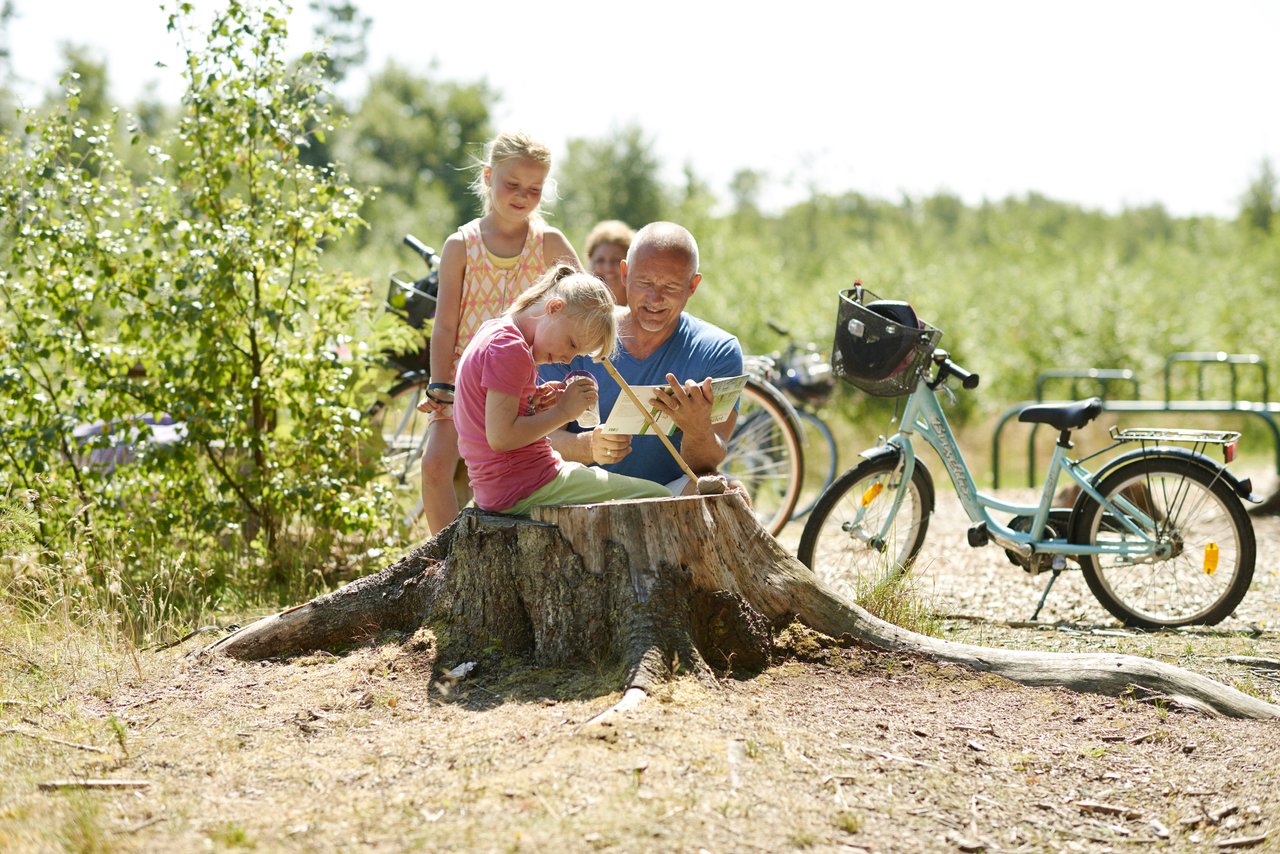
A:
1063,416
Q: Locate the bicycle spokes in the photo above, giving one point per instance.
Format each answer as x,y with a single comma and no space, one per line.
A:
1176,546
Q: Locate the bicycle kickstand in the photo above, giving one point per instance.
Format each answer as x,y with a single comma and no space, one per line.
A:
1045,595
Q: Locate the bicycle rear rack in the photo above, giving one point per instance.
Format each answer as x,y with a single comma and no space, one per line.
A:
1173,434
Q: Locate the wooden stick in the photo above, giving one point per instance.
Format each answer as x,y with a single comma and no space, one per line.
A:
94,784
648,416
51,739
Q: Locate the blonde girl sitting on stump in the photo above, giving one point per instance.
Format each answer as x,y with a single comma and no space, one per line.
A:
503,417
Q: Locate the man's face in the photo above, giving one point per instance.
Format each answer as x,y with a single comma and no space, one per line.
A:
659,284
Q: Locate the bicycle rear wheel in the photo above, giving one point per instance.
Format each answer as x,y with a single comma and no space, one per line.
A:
765,454
837,543
821,458
1209,542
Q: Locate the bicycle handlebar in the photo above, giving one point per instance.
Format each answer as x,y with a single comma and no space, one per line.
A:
948,368
428,254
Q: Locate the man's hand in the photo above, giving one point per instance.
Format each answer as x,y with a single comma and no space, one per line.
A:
609,448
688,404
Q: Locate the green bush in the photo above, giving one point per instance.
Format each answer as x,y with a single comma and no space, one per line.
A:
195,290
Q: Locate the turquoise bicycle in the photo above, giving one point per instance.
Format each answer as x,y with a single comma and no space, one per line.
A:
1160,531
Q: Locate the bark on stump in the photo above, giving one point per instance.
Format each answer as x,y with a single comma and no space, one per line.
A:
655,584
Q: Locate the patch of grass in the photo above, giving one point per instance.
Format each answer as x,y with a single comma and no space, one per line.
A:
895,597
802,839
1023,762
232,835
19,522
848,822
82,829
1251,686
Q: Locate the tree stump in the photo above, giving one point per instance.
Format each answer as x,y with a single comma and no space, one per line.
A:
658,585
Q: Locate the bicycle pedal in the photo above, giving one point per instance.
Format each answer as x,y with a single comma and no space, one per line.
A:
978,535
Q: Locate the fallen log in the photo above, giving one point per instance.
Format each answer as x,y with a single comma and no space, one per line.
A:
659,585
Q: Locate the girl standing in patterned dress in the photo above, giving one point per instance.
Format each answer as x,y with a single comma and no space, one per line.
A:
484,266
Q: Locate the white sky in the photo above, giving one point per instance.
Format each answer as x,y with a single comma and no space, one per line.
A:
1106,103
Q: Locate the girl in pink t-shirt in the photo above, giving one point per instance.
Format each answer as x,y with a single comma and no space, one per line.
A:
503,417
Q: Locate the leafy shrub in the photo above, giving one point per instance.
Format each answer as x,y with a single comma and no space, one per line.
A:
194,290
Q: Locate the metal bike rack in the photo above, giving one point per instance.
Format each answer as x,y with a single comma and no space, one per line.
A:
1101,381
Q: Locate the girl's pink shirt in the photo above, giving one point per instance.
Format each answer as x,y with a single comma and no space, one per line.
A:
499,359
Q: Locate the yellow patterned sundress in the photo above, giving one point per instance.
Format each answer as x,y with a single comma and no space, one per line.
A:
491,284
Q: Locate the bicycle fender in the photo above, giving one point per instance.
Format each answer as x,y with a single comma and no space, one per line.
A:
880,451
1242,487
889,450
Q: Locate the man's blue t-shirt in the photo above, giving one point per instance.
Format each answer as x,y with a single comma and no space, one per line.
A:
695,351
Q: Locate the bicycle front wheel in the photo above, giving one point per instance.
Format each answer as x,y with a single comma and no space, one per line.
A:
840,540
820,461
1205,539
765,455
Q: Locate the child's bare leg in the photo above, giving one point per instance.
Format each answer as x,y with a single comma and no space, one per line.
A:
439,460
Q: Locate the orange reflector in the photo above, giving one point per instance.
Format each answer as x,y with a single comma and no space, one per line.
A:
1210,558
870,494
1229,451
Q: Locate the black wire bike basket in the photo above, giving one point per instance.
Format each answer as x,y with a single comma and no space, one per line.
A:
880,345
414,301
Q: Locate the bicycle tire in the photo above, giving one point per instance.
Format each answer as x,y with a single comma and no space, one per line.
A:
1193,508
821,461
765,454
857,502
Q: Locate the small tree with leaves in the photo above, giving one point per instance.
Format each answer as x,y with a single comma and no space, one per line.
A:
196,291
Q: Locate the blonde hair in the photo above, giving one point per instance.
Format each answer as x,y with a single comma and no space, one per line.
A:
586,300
507,145
613,231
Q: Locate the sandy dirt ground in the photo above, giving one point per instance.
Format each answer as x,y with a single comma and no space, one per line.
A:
831,749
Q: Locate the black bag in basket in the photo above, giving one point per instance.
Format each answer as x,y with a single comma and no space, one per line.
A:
880,345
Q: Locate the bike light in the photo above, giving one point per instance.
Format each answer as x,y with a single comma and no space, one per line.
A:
1210,558
1229,450
872,492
